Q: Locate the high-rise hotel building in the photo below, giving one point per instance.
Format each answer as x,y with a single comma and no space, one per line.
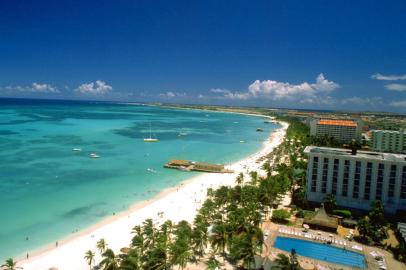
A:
388,141
343,130
356,178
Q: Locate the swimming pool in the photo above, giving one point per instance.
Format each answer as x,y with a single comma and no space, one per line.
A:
323,252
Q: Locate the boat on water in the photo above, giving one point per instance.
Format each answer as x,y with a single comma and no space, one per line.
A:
242,141
94,155
182,134
77,149
151,170
150,139
259,130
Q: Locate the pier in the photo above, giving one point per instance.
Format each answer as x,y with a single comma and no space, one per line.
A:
187,165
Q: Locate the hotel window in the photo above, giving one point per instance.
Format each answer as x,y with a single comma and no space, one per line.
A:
368,180
379,182
335,176
403,185
346,176
314,174
324,176
357,177
392,181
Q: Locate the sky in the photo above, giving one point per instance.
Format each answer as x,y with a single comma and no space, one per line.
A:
343,55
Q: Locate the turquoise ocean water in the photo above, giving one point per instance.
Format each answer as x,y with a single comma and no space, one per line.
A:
47,191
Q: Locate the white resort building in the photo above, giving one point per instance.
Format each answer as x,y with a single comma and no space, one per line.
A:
388,141
356,178
343,130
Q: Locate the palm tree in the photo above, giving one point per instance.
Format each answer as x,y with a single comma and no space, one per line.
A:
101,246
110,260
137,241
89,257
329,202
148,231
287,263
254,177
219,237
199,235
130,260
240,179
212,263
10,264
180,249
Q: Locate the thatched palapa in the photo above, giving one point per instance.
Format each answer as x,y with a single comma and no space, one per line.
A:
321,220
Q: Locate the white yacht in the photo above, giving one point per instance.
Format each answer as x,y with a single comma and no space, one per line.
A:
150,139
94,155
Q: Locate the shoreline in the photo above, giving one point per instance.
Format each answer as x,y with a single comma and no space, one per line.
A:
177,203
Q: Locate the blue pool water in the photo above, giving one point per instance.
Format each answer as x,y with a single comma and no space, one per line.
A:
48,191
321,252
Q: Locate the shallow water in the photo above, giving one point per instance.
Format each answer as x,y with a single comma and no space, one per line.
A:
48,191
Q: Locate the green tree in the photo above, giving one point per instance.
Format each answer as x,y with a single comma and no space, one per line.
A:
101,245
89,257
199,235
130,260
10,264
254,178
373,228
280,216
240,179
329,203
212,263
287,262
109,261
245,245
180,249
219,237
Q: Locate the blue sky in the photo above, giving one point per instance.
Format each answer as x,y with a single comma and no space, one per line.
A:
297,54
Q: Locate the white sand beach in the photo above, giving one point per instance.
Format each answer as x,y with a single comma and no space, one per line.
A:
179,203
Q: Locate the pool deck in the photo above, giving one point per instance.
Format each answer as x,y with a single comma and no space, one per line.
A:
274,230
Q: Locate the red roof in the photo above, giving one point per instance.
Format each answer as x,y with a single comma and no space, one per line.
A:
336,122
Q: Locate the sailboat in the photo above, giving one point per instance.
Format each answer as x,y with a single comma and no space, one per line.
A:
150,139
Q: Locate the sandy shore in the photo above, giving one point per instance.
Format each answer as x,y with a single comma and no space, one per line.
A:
179,203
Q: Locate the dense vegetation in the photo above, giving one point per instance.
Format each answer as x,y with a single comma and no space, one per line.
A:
227,227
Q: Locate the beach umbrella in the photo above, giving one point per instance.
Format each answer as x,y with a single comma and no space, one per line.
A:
307,266
125,250
318,233
330,235
306,226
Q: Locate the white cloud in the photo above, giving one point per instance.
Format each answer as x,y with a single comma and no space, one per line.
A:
274,90
44,88
381,77
94,88
170,94
396,87
401,103
322,84
33,88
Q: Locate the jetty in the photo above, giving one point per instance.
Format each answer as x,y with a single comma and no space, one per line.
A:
188,165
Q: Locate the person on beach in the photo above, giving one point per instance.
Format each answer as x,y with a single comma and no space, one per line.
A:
56,244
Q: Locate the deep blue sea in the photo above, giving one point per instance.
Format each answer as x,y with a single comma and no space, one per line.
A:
47,191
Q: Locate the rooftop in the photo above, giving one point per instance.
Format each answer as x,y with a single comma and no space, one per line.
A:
387,131
337,122
359,154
